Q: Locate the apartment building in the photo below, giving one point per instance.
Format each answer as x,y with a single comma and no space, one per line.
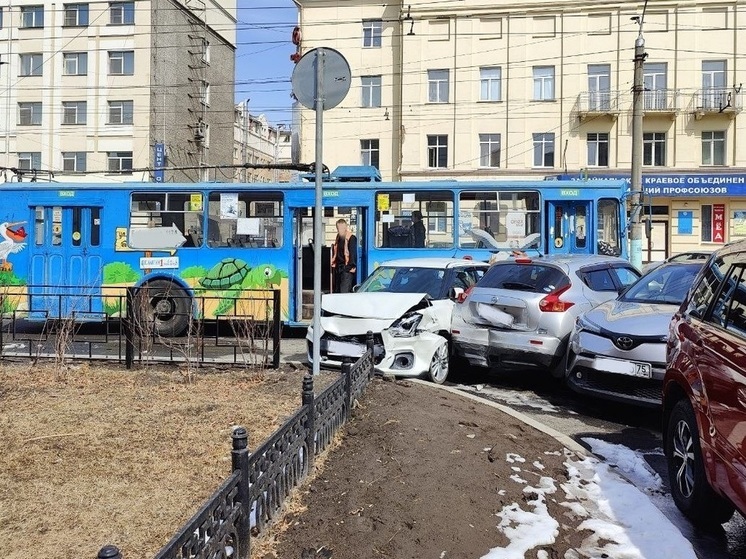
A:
474,89
94,88
257,141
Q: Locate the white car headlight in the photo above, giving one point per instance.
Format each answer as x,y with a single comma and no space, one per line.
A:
406,326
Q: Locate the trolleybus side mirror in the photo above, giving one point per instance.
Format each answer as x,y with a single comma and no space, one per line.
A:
648,227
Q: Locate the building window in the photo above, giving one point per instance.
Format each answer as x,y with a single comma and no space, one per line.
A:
654,149
120,112
543,150
489,150
437,151
1,17
32,16
74,112
599,87
714,94
370,153
29,114
74,161
371,86
543,83
205,51
31,65
713,148
76,15
121,62
29,160
204,93
75,63
706,223
122,13
437,81
655,81
372,29
119,161
489,84
598,149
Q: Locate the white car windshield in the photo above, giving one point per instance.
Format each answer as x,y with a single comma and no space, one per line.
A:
404,280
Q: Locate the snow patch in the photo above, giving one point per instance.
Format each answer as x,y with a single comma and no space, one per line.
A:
527,529
515,398
630,463
538,465
624,522
511,457
518,479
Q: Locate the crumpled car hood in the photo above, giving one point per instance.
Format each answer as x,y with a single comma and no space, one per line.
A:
355,314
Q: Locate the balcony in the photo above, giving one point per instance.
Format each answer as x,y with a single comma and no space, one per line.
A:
593,104
715,101
661,102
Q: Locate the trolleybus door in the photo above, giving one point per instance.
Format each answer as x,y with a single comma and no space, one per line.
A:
569,227
65,265
305,245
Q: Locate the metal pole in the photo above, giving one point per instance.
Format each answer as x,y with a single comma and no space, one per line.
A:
317,232
635,256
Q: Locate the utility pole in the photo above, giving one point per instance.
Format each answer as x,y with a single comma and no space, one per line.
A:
638,90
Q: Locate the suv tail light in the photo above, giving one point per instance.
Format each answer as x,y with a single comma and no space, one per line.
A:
552,302
462,296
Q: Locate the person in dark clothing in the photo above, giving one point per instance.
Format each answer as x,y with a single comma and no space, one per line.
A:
344,258
417,231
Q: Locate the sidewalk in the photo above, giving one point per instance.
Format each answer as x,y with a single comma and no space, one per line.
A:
293,350
425,473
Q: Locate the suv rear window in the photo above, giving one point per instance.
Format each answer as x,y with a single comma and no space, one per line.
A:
535,278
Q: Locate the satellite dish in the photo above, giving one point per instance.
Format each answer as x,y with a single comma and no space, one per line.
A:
335,78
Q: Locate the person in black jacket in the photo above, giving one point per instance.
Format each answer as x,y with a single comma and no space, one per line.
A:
344,258
417,231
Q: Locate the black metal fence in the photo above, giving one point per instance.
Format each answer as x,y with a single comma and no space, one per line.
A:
260,481
141,325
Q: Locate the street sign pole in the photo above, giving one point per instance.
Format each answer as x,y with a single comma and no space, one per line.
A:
321,80
318,234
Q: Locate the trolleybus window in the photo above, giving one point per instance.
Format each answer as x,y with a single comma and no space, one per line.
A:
608,227
499,219
182,209
414,220
250,220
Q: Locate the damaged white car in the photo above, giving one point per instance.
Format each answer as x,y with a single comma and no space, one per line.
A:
407,305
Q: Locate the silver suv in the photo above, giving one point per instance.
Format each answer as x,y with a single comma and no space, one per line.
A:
521,313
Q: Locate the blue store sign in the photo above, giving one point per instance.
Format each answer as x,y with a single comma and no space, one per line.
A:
159,162
681,185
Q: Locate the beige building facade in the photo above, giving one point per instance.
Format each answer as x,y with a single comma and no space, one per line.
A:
472,90
92,88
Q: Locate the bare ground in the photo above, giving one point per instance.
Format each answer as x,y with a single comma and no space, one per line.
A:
100,455
423,473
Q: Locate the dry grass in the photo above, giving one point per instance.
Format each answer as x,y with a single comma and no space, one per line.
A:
106,456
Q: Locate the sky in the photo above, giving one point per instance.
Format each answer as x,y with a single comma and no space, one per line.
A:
263,66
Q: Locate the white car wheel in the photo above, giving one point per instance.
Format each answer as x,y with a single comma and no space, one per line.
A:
439,364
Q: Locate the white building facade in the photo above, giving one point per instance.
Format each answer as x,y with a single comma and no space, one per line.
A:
92,88
472,89
257,141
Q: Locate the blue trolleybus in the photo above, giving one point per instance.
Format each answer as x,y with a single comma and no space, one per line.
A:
221,238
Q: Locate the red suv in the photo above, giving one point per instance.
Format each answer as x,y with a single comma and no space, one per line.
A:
704,392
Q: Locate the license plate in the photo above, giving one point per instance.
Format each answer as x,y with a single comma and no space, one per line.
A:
348,349
619,367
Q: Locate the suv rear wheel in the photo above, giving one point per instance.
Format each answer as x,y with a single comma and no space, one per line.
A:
689,486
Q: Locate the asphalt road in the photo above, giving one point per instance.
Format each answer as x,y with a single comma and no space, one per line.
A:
550,402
